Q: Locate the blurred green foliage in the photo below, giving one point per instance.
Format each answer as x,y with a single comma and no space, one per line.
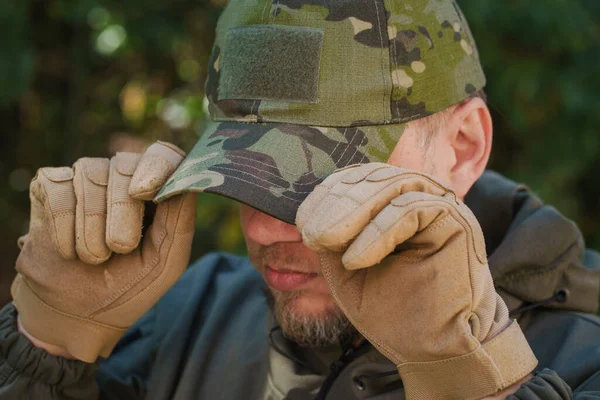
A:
91,77
542,60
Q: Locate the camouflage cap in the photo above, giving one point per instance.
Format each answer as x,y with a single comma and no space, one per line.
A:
299,88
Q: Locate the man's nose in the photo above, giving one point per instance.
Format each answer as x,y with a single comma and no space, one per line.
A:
266,230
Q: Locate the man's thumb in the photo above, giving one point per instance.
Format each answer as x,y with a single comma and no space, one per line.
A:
172,229
155,167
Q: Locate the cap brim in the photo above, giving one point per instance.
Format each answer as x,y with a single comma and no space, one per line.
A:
272,166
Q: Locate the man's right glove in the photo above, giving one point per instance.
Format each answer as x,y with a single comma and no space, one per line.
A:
85,274
405,260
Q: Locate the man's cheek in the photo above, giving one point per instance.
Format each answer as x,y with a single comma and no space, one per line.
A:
254,256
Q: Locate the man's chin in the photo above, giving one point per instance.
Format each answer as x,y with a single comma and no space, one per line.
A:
310,319
309,305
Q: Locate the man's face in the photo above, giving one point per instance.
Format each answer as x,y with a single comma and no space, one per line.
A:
302,303
300,298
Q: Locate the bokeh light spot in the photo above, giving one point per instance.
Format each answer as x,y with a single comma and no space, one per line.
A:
174,113
133,102
110,39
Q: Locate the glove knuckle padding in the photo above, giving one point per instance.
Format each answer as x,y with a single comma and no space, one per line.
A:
165,252
124,214
90,182
407,216
53,205
304,210
414,280
355,197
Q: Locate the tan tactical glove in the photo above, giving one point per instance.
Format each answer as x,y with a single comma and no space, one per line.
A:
83,275
405,260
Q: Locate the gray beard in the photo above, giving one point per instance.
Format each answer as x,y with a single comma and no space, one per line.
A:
309,330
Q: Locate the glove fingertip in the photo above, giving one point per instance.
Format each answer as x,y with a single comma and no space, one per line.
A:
350,263
156,166
149,177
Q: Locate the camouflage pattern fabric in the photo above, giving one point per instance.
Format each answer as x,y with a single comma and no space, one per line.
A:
382,63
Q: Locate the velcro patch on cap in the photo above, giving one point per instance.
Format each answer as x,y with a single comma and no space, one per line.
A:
271,62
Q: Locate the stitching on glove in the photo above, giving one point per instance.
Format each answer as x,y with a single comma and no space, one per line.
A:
95,214
105,305
362,289
449,360
439,224
461,221
416,174
89,173
126,204
387,351
135,280
464,222
95,325
61,214
57,175
492,340
158,277
48,211
57,245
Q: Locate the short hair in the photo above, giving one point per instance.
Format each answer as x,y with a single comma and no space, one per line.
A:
429,126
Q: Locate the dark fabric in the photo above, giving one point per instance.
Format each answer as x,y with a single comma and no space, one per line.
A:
206,336
533,250
27,372
544,385
566,342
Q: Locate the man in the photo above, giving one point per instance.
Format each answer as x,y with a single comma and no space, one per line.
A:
351,132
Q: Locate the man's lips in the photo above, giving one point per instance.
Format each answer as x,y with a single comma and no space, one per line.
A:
287,280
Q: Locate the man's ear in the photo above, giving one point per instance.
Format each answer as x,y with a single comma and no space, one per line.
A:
470,136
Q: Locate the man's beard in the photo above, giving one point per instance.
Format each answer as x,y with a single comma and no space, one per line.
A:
331,327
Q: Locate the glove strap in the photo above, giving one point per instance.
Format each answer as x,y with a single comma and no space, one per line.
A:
492,367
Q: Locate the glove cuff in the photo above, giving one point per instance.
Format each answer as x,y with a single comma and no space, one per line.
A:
492,367
84,339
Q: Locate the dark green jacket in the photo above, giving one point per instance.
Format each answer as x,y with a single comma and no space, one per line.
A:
211,336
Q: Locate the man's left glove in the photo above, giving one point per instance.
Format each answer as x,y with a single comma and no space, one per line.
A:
88,269
405,260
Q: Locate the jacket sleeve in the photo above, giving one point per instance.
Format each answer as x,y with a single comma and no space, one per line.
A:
547,385
27,372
